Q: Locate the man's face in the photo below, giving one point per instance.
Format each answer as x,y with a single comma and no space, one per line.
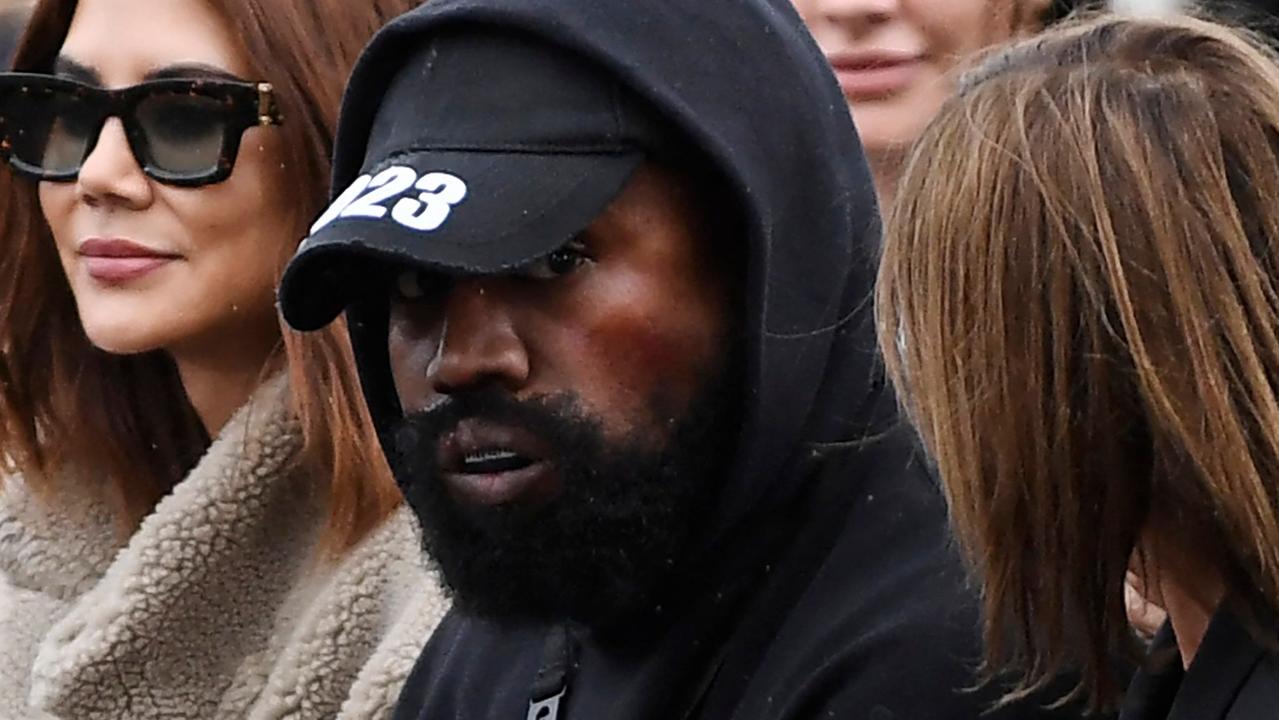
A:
565,422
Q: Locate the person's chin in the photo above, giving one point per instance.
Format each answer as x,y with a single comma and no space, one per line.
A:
887,129
892,123
131,333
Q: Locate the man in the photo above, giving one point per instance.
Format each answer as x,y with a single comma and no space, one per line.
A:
606,266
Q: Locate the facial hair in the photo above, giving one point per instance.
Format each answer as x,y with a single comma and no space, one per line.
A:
602,548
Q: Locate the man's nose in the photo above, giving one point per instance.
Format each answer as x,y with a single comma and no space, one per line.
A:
479,343
111,174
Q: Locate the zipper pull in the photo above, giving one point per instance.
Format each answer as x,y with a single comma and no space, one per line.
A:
551,684
548,709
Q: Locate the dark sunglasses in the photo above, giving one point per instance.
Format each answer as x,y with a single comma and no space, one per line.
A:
182,132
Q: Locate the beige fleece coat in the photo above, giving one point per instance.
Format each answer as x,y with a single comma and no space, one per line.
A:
218,606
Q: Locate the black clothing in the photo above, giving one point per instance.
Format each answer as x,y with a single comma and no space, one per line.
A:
1231,678
823,584
862,616
579,132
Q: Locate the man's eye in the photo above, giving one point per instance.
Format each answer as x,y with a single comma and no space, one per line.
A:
409,285
560,262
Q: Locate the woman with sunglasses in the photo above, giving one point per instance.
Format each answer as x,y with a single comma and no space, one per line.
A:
195,520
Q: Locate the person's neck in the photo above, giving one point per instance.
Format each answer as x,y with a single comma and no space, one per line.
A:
1187,587
886,168
1190,613
219,378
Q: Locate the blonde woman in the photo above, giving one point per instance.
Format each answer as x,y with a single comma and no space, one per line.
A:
1079,300
894,60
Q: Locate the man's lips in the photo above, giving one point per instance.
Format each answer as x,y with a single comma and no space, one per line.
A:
489,464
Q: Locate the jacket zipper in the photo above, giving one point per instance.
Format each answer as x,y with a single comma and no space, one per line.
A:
550,687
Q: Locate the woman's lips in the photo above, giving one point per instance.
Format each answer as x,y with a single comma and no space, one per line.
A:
122,270
488,464
117,261
869,76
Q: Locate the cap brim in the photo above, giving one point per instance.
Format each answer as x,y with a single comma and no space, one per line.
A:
518,207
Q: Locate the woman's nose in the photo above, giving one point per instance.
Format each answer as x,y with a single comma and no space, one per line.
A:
110,174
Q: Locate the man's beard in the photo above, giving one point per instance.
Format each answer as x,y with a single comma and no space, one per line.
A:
599,550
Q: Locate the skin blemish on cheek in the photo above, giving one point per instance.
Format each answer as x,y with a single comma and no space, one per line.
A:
641,345
642,357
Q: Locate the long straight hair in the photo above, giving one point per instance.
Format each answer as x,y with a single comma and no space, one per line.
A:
1079,302
125,420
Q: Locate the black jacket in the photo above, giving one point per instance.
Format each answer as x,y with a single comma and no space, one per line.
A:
1232,678
824,584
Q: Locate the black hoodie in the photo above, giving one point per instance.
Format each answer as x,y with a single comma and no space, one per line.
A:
823,584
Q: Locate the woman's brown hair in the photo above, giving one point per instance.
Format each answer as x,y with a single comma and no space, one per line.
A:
126,419
1079,301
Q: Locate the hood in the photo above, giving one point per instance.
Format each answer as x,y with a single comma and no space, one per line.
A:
743,80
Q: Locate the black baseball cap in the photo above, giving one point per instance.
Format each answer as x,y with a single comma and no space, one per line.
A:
489,150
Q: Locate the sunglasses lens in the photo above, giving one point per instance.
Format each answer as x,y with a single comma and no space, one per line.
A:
184,133
49,130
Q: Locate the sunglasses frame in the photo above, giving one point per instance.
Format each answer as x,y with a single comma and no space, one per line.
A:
246,104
